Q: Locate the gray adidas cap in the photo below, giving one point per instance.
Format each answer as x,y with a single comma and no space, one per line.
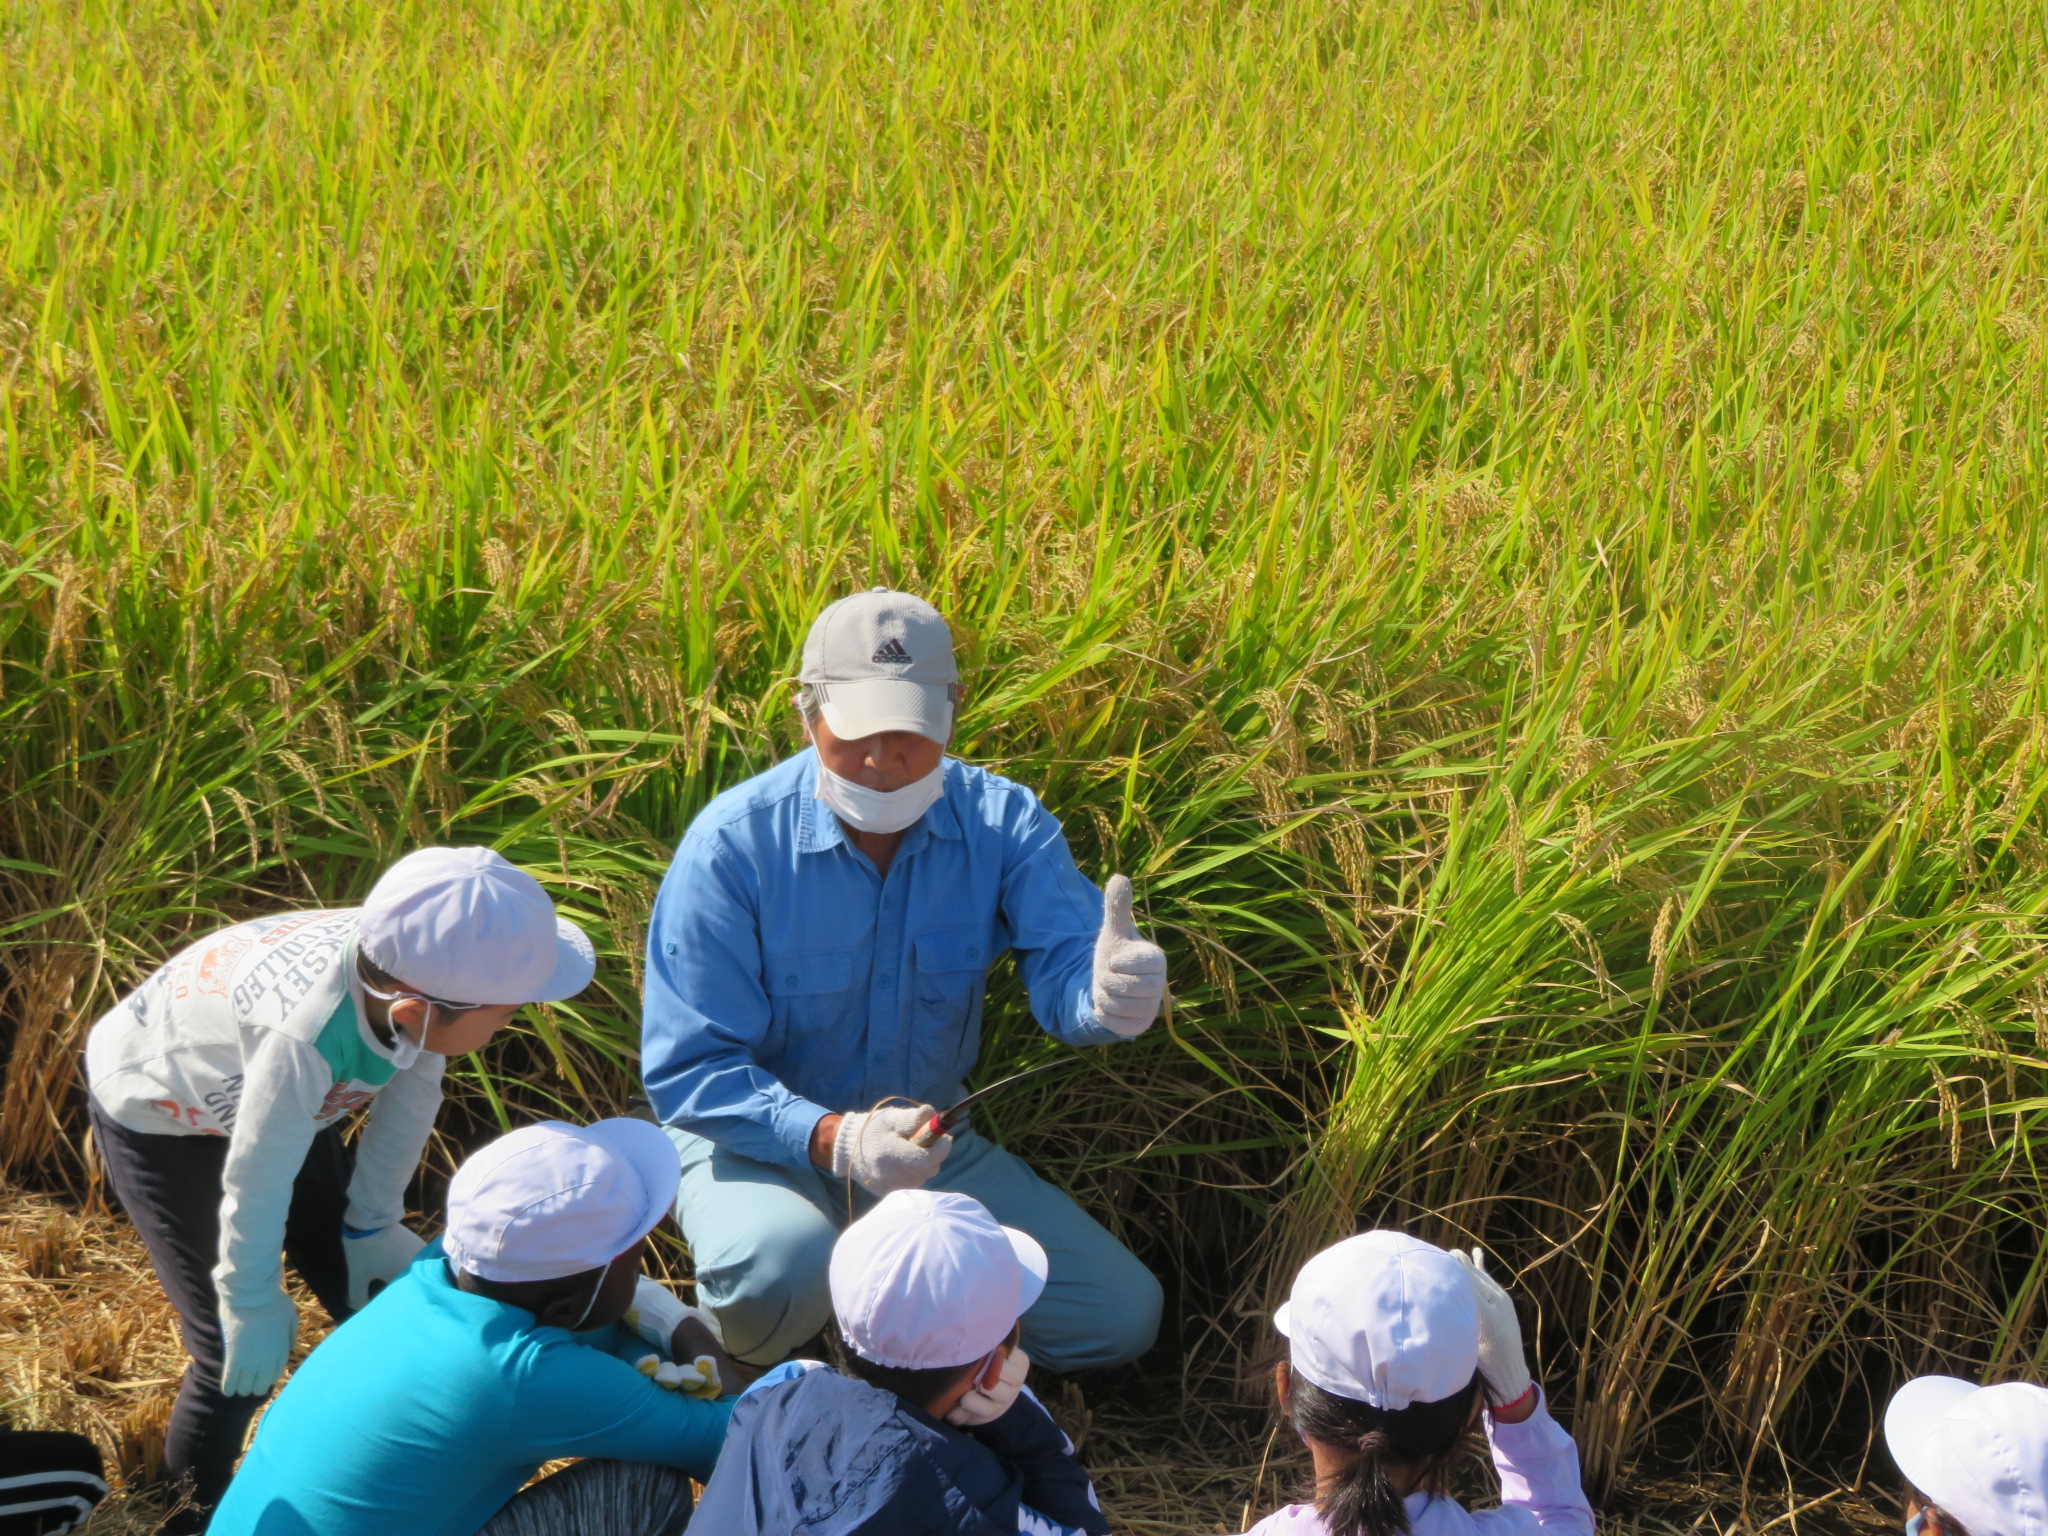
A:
882,661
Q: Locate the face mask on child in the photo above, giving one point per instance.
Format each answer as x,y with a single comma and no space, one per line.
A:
1916,1522
984,1405
404,1049
879,810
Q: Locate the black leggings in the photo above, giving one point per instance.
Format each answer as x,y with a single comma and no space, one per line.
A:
170,1186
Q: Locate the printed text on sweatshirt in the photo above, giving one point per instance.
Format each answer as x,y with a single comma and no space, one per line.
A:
257,1033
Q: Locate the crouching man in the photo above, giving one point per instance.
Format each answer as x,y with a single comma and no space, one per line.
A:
815,967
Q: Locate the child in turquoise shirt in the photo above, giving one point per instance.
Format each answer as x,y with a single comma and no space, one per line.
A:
503,1347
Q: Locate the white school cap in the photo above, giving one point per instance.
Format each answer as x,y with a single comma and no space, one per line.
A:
882,661
463,925
1979,1453
930,1279
1383,1319
554,1199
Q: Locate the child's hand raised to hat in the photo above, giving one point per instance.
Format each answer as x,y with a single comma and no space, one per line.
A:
1501,1357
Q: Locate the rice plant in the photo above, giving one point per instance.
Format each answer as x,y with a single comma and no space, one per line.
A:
1519,526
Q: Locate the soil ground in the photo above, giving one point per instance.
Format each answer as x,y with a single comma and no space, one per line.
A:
87,1342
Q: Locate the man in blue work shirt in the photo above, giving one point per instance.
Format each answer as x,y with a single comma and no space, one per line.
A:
815,965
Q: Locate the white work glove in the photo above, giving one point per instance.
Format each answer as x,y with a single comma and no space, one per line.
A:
876,1150
1501,1359
259,1330
657,1312
378,1259
1130,970
986,1404
697,1379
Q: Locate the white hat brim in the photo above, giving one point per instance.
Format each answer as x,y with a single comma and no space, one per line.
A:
1031,1255
1913,1431
1282,1318
878,704
575,964
648,1151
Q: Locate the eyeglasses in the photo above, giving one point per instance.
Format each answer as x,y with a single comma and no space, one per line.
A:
418,997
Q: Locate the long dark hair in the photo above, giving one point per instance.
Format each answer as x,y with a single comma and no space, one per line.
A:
1362,1499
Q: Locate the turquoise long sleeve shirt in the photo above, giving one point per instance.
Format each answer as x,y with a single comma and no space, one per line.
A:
787,979
432,1406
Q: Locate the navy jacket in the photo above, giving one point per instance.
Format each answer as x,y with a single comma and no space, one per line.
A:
826,1455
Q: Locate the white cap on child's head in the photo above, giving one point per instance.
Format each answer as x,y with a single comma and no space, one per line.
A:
1978,1453
1383,1319
929,1279
555,1199
466,926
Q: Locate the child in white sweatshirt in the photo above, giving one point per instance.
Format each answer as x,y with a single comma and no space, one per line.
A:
1395,1347
219,1087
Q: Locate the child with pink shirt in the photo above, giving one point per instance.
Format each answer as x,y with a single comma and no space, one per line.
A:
1395,1347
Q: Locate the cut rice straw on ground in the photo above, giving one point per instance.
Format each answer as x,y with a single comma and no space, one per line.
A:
88,1343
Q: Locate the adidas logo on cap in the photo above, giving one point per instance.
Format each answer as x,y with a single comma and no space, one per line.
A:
891,651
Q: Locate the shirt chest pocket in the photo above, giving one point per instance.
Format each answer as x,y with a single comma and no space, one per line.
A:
951,963
807,973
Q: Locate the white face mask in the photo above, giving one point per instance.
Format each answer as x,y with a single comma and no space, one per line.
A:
404,1049
880,810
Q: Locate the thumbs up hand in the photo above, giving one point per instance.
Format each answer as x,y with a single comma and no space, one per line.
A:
1130,970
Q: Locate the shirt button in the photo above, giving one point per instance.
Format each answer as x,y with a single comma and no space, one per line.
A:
668,949
790,978
973,952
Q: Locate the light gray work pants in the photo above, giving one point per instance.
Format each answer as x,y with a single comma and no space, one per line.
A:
761,1236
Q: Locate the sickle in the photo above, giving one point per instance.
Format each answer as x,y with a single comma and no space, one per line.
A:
945,1120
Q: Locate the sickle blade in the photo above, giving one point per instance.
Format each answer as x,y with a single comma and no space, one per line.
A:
952,1116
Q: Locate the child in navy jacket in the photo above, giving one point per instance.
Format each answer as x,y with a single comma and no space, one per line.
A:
931,1430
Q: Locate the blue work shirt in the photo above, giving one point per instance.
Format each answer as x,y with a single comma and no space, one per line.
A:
432,1406
786,979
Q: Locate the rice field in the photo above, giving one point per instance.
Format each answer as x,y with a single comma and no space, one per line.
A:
1519,525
